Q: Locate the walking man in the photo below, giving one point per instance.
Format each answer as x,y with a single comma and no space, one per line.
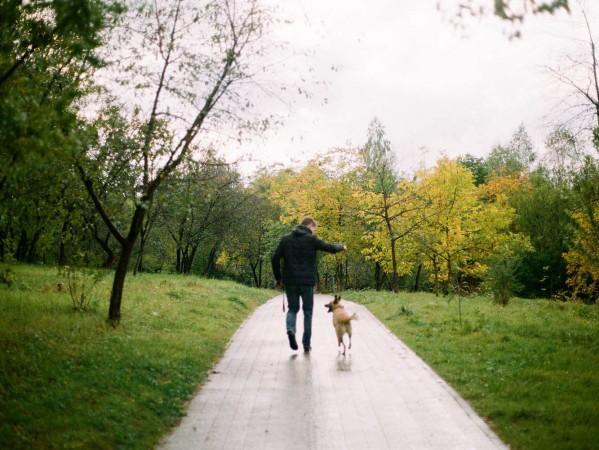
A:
298,251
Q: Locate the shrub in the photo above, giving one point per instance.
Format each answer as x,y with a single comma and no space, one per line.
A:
81,284
501,280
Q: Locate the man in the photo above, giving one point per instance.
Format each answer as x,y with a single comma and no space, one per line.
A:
298,250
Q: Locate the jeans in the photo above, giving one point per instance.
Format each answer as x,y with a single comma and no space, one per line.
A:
306,292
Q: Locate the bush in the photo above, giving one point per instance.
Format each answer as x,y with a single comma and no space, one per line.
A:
81,283
501,280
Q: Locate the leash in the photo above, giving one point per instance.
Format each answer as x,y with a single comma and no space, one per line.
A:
283,298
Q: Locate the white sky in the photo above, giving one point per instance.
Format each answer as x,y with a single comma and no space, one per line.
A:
436,89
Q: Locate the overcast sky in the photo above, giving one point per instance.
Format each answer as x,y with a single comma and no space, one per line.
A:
436,89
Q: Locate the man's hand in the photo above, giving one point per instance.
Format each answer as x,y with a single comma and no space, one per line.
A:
344,248
279,284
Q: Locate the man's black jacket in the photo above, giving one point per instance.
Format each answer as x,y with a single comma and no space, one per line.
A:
298,250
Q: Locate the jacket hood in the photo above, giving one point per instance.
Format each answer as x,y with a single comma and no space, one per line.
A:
301,230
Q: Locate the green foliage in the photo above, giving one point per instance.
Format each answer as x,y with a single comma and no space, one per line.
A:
7,276
529,370
583,257
70,380
596,138
81,283
510,11
476,166
542,212
516,156
500,278
46,48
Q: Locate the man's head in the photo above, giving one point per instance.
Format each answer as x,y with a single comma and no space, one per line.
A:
310,223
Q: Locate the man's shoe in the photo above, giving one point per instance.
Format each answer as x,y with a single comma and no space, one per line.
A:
307,349
292,341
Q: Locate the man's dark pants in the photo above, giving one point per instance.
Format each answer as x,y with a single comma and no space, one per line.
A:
306,292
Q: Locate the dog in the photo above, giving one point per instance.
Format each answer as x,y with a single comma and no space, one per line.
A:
341,321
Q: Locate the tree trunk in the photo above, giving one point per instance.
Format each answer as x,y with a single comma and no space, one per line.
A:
22,247
394,263
145,233
417,280
62,254
378,279
436,277
139,262
2,246
31,250
110,257
447,284
254,268
191,257
114,311
211,259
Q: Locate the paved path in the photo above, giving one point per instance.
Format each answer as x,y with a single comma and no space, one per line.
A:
263,395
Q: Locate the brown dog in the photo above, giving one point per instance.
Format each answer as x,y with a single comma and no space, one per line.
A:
341,321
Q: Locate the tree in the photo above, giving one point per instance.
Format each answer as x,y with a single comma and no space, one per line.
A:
542,213
389,206
512,11
476,166
580,74
47,50
317,191
563,155
465,227
202,202
183,61
583,257
516,156
247,246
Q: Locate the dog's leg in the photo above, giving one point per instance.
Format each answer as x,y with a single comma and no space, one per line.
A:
349,333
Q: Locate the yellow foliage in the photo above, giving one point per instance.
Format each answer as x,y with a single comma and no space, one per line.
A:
466,224
583,262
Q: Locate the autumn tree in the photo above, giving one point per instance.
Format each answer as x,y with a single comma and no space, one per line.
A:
319,189
391,207
466,226
583,257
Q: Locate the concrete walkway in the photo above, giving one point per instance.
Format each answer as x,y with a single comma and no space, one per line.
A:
263,395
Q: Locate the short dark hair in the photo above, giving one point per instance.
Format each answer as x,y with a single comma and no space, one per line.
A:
309,221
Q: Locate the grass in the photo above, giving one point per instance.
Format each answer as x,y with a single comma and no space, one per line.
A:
69,380
530,369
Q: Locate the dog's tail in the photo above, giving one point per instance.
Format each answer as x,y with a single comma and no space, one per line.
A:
354,316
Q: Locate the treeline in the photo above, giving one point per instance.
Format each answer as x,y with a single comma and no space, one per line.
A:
507,221
512,222
101,106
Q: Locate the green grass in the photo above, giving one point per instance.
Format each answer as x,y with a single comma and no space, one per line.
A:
530,369
69,380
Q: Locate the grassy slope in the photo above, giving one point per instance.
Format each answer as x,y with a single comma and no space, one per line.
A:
529,368
68,380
